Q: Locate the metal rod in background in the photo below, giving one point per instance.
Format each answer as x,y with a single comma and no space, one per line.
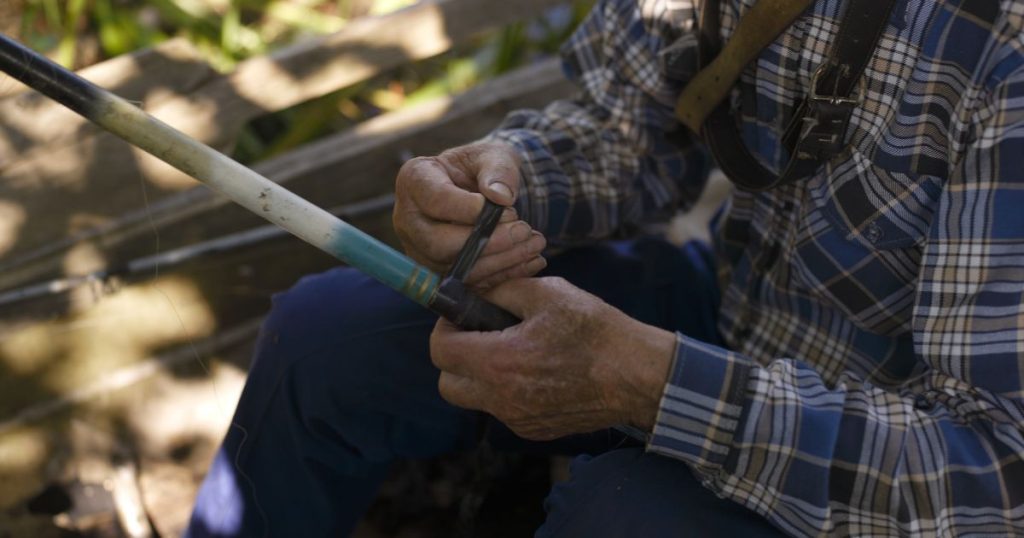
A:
245,187
178,256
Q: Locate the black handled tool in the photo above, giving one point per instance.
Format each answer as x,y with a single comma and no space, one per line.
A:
453,300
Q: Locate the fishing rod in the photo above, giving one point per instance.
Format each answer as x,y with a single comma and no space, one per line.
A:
446,296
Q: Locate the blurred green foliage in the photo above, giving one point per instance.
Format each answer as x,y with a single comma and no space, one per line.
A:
485,57
81,32
227,31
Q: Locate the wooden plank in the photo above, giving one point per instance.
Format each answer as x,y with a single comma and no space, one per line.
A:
362,50
86,351
213,108
362,163
89,179
348,166
129,375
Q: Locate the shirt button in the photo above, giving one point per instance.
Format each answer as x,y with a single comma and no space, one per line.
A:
873,233
922,403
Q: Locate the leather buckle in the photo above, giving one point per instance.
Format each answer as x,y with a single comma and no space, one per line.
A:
823,129
856,99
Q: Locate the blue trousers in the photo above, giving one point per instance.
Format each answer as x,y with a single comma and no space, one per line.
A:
342,385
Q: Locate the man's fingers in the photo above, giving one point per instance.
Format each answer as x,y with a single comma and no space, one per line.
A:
440,242
498,176
526,269
494,165
445,202
436,209
427,183
523,296
462,391
506,262
463,353
508,215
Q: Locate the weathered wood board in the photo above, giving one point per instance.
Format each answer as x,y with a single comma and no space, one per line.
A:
349,166
62,179
224,289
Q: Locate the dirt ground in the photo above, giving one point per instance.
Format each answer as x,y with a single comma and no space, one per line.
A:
159,452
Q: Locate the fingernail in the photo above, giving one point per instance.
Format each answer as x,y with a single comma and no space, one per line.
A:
501,189
536,264
536,243
519,232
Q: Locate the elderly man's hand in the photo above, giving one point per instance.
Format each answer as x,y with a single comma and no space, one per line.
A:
438,199
575,364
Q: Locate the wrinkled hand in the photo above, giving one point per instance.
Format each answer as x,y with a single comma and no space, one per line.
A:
438,199
575,364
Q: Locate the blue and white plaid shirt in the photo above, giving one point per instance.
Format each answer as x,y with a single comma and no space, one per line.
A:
874,378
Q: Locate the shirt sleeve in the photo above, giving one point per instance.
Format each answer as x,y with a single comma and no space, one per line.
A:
943,456
613,157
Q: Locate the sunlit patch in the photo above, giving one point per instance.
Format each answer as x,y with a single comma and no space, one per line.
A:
103,345
382,7
24,454
12,218
27,350
22,449
128,326
82,259
161,422
413,116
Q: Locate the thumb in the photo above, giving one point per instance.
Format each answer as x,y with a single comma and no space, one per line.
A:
497,173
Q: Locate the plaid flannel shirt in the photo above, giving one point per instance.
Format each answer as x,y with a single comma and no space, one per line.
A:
874,314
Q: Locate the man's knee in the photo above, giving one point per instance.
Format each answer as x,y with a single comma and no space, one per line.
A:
627,492
337,304
340,335
348,358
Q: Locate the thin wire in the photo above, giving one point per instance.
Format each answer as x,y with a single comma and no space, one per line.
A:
198,357
181,322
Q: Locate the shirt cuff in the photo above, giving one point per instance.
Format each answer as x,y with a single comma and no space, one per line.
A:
702,404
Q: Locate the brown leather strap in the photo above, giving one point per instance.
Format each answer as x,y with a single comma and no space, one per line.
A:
756,30
817,131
